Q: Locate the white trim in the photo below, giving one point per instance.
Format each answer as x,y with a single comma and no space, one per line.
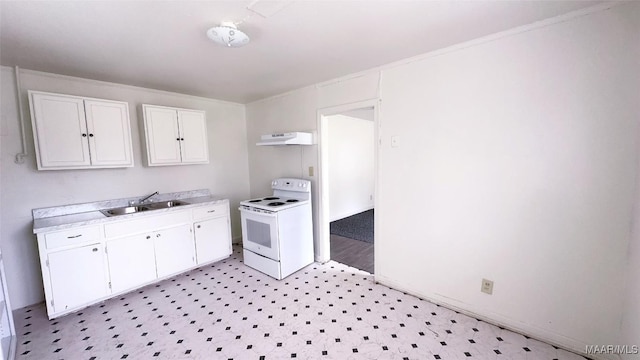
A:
350,213
324,248
456,47
537,333
20,156
480,41
118,85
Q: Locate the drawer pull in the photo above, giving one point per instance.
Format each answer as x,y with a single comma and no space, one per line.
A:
198,226
148,236
74,236
95,249
211,211
157,235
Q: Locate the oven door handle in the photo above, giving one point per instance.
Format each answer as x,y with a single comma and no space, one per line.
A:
256,213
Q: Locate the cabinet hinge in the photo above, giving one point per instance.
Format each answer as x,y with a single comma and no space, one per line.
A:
52,303
109,284
47,262
105,250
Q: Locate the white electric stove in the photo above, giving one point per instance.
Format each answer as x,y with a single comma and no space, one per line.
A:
277,230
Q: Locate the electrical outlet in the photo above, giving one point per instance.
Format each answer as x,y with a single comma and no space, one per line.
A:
395,141
487,286
310,170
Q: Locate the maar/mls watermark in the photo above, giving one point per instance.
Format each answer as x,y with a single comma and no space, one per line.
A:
612,349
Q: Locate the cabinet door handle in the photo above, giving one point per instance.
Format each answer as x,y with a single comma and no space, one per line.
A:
95,249
74,236
148,236
84,135
90,135
178,139
181,139
198,226
157,235
211,211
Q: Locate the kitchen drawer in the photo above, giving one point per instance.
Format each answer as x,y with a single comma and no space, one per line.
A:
210,211
147,223
72,236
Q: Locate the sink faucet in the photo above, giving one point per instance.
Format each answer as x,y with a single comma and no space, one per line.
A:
141,201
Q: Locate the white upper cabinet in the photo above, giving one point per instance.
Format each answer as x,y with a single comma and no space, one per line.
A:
109,135
193,136
163,139
175,136
72,132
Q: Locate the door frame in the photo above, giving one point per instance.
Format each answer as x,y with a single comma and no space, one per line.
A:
323,253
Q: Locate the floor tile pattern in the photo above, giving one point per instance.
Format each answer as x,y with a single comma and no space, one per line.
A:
230,311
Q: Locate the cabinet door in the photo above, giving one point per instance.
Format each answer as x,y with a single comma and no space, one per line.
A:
109,133
77,276
163,138
213,240
193,136
60,131
174,250
132,262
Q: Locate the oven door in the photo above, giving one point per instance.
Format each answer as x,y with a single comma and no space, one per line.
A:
260,233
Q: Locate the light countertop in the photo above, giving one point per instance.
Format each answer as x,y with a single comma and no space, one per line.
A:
68,216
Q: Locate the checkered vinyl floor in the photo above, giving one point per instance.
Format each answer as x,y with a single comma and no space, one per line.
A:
229,311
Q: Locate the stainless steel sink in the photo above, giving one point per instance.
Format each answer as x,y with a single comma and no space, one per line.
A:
134,209
124,210
166,204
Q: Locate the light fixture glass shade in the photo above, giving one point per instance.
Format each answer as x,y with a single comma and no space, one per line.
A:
227,34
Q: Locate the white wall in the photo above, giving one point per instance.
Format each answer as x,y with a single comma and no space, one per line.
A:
517,162
630,332
522,153
297,111
631,314
25,188
351,174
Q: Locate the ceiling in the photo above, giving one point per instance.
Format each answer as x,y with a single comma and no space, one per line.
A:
163,44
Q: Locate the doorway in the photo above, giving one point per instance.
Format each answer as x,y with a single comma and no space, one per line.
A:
347,184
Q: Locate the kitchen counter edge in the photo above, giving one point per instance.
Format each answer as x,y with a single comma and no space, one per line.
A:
62,222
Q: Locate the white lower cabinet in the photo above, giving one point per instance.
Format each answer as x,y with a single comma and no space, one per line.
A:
77,276
87,264
212,239
131,262
174,250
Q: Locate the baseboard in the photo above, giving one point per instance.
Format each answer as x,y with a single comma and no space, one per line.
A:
351,213
531,331
236,240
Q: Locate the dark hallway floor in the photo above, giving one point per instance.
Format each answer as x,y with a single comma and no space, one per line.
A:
355,253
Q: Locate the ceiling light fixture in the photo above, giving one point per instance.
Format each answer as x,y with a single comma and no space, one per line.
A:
227,34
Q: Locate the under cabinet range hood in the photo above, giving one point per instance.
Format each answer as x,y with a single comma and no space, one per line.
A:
290,138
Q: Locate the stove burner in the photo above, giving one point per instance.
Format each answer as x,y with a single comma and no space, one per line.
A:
255,201
271,198
275,203
292,200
